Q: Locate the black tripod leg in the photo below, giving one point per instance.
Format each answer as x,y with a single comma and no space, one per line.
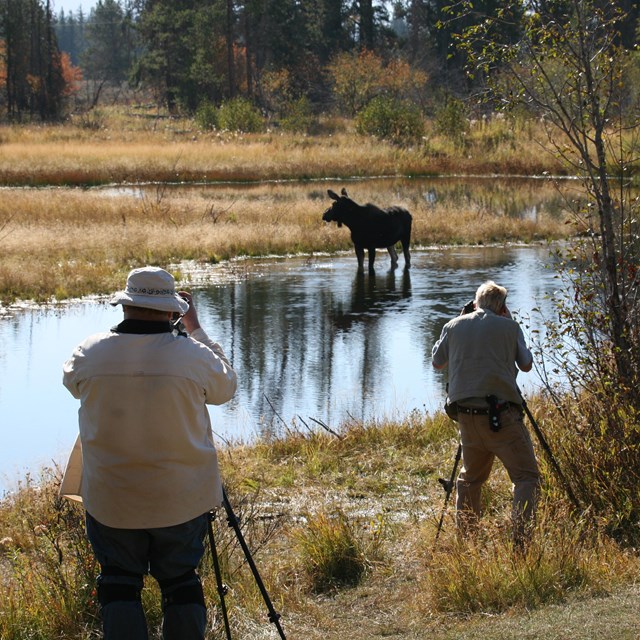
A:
222,588
554,463
274,616
448,487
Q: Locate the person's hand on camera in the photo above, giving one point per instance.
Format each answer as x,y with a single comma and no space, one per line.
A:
190,318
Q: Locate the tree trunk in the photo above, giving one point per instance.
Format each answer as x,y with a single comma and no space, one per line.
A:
366,24
230,57
248,46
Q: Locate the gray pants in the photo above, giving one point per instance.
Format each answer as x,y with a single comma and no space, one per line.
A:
171,555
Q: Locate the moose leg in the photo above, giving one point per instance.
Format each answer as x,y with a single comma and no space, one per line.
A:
360,256
394,256
407,256
372,258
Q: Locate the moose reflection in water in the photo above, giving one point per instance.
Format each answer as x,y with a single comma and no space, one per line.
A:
372,228
371,298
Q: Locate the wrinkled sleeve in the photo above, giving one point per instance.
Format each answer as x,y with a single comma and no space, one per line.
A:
70,368
524,357
223,380
440,351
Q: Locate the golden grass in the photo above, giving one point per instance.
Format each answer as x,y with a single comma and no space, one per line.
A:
123,148
72,242
378,480
383,476
485,575
77,241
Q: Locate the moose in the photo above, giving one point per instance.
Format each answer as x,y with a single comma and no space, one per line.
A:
372,228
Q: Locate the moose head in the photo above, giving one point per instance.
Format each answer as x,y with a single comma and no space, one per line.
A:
342,204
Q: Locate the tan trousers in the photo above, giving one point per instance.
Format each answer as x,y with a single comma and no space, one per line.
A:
480,446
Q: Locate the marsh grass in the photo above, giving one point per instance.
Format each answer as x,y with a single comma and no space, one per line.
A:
344,544
486,574
81,241
46,565
334,553
126,145
597,445
77,242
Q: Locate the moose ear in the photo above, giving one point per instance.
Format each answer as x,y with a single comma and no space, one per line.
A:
333,195
344,192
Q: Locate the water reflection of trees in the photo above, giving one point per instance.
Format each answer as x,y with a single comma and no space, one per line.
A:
290,337
316,340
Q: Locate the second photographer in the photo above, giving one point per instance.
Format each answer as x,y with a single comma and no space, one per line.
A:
483,349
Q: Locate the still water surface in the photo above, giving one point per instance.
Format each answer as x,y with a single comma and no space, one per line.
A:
308,337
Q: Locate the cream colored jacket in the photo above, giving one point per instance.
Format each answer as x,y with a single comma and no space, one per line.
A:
145,456
481,350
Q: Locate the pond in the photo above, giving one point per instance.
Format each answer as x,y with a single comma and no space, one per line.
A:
312,342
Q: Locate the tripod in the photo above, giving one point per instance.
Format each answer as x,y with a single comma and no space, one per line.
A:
554,463
447,485
232,520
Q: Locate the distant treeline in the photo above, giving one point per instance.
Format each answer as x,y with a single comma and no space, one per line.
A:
271,52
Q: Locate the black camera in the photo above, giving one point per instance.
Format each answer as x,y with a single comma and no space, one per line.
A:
470,307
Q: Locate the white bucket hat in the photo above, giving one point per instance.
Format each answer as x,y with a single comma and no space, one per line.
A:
151,288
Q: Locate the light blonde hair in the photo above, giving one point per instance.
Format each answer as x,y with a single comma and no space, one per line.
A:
491,296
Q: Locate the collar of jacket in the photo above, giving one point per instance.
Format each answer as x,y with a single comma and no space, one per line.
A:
142,327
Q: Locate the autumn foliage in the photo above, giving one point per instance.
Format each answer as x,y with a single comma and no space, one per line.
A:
71,74
359,77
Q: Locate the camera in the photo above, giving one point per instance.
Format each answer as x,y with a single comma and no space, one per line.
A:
470,307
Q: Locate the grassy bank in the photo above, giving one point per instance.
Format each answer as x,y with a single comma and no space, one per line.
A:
342,530
114,146
78,242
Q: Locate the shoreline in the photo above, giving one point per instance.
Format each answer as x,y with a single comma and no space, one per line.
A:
199,274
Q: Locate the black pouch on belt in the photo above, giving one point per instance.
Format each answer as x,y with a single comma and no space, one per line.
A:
494,413
451,409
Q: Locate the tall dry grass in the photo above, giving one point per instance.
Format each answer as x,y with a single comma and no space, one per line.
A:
115,146
485,575
66,243
77,241
352,516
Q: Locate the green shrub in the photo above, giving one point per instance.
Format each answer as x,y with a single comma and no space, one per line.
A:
298,116
207,116
389,119
240,114
451,121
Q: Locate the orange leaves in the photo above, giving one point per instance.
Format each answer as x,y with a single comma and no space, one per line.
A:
71,74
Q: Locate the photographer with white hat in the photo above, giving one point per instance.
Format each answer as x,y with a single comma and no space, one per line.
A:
149,472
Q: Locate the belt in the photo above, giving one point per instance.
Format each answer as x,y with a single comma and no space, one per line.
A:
484,411
474,411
